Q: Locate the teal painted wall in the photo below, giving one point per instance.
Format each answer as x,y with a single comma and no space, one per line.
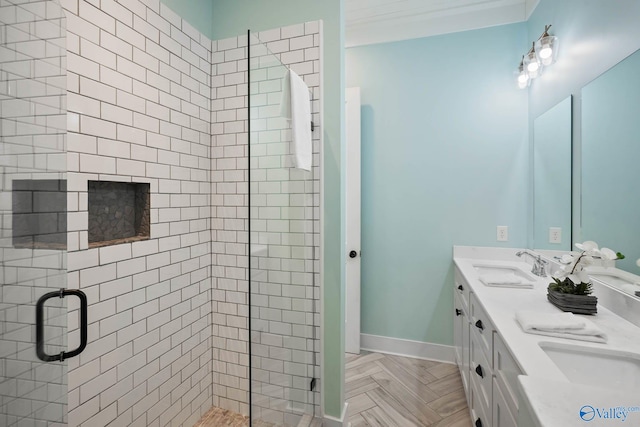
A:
198,13
232,18
444,161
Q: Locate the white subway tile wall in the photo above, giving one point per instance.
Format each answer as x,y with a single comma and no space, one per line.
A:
139,111
284,224
33,164
152,100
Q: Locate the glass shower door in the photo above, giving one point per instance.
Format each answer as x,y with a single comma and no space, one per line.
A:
33,202
283,265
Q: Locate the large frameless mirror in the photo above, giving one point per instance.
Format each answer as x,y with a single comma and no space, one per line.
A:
552,178
610,206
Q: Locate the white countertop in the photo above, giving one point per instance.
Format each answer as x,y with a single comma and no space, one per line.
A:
554,400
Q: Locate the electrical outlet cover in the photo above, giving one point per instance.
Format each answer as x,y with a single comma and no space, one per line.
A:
555,235
502,233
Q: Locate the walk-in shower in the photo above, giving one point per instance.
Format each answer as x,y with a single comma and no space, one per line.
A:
283,247
159,251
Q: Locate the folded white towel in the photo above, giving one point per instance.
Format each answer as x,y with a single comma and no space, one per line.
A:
554,322
504,281
561,325
500,279
295,106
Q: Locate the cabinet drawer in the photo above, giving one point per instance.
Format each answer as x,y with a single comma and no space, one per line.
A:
481,372
481,327
502,415
462,289
480,414
506,371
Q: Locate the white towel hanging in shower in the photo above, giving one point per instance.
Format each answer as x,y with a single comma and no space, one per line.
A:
296,107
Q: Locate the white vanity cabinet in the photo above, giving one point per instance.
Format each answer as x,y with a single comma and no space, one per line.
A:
488,370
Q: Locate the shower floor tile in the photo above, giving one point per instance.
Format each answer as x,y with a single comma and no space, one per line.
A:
218,417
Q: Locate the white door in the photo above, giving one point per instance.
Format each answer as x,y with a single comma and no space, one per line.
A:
352,317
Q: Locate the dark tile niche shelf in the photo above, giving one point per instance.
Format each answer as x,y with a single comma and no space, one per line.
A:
119,212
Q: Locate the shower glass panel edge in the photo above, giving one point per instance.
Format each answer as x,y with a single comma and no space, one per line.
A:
283,308
33,215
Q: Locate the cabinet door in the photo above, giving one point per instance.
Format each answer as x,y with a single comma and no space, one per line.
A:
459,319
462,289
506,371
482,327
502,416
481,372
480,413
466,357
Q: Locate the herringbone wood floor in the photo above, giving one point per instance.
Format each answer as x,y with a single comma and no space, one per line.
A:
388,391
393,391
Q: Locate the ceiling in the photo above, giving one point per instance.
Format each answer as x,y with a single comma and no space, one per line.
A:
379,21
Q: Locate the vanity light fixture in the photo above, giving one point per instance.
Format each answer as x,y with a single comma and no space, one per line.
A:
532,63
521,76
547,47
543,53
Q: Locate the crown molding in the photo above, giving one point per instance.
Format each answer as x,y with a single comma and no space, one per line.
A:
380,21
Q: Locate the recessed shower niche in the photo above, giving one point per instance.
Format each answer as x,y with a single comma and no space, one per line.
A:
118,212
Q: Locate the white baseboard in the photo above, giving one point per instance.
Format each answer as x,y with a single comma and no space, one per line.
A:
335,422
408,348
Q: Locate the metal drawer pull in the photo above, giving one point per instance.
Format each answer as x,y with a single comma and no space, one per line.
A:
40,325
479,371
480,325
460,288
458,312
478,422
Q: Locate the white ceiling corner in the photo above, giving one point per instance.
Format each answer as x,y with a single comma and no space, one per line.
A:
379,21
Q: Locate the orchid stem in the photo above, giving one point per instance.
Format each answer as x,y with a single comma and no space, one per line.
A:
577,262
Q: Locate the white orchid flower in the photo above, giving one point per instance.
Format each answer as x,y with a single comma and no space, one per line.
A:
590,247
568,259
560,274
579,277
586,260
584,277
608,257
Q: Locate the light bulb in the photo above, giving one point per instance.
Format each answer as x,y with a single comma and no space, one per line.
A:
547,49
523,83
545,52
523,78
532,67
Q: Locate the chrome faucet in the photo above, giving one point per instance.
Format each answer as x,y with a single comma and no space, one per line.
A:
538,263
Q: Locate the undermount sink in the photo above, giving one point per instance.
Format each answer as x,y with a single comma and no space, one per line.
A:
596,367
487,269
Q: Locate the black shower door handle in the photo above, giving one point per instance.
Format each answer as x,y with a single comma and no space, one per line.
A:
40,325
